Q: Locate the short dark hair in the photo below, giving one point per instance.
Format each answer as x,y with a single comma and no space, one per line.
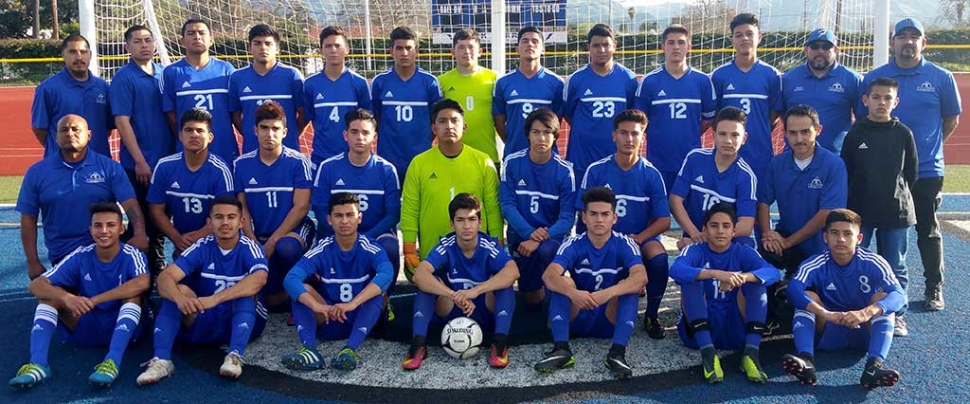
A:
733,114
444,104
196,115
630,115
403,33
259,30
464,34
546,117
359,114
843,215
599,30
343,198
599,194
464,200
191,21
745,18
270,110
134,28
802,110
526,30
721,207
74,38
883,82
225,200
105,207
331,31
674,29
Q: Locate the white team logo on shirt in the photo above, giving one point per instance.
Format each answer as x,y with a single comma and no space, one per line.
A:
588,92
514,93
607,186
212,267
730,87
252,181
332,271
798,89
831,286
521,183
95,178
101,99
87,277
816,183
662,93
863,146
585,262
388,94
247,90
340,181
926,86
319,96
175,185
186,85
700,179
836,88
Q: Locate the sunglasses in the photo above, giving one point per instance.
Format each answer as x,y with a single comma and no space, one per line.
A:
821,45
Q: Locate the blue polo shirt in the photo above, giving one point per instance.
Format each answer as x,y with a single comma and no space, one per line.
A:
834,96
61,95
923,90
62,193
248,89
148,121
802,193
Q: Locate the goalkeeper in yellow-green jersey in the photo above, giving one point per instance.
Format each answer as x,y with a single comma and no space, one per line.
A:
436,176
471,86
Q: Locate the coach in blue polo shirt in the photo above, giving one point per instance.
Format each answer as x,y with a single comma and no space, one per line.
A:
72,91
929,104
825,85
62,187
807,181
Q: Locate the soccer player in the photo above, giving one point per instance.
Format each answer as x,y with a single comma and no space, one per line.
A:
753,86
680,103
438,175
72,91
93,297
200,81
209,295
273,183
528,87
724,297
807,182
926,91
844,298
642,209
346,298
594,95
332,93
402,98
825,85
710,176
185,184
537,194
264,80
467,274
599,297
472,85
87,177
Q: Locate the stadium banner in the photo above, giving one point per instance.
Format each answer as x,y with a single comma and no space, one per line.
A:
448,16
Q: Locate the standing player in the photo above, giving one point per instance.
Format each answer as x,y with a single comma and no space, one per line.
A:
537,194
471,85
93,297
753,86
402,98
273,183
468,274
523,90
642,209
594,95
209,295
680,103
844,298
72,91
266,79
725,300
353,274
599,297
332,93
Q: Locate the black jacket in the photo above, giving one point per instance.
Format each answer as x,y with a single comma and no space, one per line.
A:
881,162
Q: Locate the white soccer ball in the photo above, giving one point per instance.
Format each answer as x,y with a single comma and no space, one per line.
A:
461,338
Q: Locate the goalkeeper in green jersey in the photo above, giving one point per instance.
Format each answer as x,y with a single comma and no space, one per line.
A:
471,85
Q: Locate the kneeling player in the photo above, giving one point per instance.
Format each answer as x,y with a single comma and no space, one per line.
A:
93,296
845,298
353,273
467,274
209,294
724,298
600,296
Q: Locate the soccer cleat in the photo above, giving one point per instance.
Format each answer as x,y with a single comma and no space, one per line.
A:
900,329
104,374
616,363
500,356
653,327
231,366
390,312
561,358
801,366
751,367
712,371
304,359
934,302
157,370
347,359
416,354
875,375
29,375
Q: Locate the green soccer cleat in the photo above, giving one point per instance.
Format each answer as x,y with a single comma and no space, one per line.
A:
104,374
711,367
751,367
347,359
30,375
304,359
561,358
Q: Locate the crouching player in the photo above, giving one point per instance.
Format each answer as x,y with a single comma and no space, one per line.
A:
600,296
467,274
209,294
93,296
724,297
350,274
845,298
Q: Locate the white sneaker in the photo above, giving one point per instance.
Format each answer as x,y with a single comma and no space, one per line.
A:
157,370
232,366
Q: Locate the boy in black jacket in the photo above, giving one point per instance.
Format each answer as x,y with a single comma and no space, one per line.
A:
881,162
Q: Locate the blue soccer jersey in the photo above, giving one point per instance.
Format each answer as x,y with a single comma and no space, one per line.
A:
343,274
269,188
248,89
591,102
61,95
757,92
676,108
834,96
595,269
701,185
516,96
403,110
326,102
184,88
147,120
537,195
464,272
186,194
209,271
738,258
844,288
376,184
640,193
83,272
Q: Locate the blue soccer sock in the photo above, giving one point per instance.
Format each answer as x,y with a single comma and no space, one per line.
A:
560,313
45,322
695,309
626,318
504,309
167,326
881,335
128,318
658,269
393,250
423,311
306,325
755,312
367,315
803,329
243,321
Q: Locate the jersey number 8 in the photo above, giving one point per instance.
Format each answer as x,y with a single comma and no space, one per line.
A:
346,292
